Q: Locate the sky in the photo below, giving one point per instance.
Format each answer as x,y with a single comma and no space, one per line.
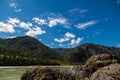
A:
62,23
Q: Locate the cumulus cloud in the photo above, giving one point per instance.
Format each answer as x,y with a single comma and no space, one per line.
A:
25,25
69,35
32,29
5,27
51,20
39,21
35,31
74,42
85,25
54,21
66,37
13,21
14,6
61,40
16,22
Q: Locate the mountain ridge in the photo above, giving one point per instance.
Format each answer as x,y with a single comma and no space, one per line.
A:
88,50
26,46
31,47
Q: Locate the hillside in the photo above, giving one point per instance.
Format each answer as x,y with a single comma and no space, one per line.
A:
26,46
83,52
30,47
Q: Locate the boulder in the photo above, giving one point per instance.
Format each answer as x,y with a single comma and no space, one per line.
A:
111,72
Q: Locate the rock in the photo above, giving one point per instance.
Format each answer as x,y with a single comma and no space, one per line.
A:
98,67
46,74
102,60
110,72
92,65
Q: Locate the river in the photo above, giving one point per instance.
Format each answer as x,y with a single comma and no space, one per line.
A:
15,72
12,73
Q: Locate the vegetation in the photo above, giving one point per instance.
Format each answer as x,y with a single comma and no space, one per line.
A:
81,53
28,49
75,55
10,60
27,46
25,51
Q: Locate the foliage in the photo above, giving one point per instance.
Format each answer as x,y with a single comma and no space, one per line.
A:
27,46
10,60
75,55
31,49
83,52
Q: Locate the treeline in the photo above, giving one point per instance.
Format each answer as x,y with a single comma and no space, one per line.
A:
15,60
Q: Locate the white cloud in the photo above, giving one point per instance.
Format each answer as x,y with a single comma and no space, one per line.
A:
61,40
16,22
66,37
54,21
78,10
17,10
35,31
13,21
25,25
74,42
14,6
69,35
5,27
85,25
39,21
51,20
62,45
12,37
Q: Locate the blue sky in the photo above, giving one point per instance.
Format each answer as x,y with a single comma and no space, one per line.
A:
62,23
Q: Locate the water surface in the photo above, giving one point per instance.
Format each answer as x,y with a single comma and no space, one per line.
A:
15,72
12,73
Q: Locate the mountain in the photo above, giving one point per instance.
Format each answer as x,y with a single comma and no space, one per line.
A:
83,52
27,46
31,47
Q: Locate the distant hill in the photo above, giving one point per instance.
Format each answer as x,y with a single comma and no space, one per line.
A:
27,46
31,47
83,52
